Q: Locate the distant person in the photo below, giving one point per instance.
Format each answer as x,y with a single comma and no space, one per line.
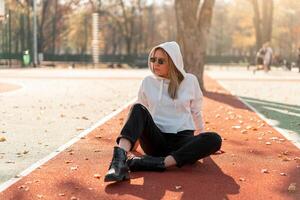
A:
264,58
164,120
260,59
268,57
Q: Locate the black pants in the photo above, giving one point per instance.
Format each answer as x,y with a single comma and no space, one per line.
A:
183,146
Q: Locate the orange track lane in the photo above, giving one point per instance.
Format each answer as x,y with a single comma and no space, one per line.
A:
235,174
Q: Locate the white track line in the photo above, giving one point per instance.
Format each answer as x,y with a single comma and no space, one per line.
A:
12,181
293,137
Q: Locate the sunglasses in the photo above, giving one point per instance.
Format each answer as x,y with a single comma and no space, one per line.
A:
160,61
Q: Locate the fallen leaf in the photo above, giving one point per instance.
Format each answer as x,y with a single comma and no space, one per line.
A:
236,127
292,187
285,153
25,152
98,176
242,179
219,152
286,159
2,138
268,143
85,118
74,168
178,187
21,186
262,134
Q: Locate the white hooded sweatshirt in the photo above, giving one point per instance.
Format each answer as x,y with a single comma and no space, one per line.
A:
182,113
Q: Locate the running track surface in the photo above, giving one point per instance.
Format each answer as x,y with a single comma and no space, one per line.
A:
257,163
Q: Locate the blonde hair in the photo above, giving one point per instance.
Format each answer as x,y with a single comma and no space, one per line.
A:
174,75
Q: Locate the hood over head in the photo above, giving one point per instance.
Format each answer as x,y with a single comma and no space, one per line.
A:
173,50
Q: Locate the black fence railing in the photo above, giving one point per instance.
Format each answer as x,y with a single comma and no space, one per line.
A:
133,60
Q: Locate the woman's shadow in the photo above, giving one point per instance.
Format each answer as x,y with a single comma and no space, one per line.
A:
199,181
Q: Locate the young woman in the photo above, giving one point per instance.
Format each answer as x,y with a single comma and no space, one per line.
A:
164,119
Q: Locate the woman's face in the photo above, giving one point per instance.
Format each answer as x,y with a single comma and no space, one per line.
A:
159,62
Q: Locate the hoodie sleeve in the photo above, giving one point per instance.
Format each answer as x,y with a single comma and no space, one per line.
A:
141,95
196,106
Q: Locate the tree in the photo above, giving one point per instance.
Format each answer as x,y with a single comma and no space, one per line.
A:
263,20
193,23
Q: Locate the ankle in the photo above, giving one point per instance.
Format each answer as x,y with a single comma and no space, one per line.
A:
124,144
169,161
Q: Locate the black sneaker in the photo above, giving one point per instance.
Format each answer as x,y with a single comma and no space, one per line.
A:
146,163
118,169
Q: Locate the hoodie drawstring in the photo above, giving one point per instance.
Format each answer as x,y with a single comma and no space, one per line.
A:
160,90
